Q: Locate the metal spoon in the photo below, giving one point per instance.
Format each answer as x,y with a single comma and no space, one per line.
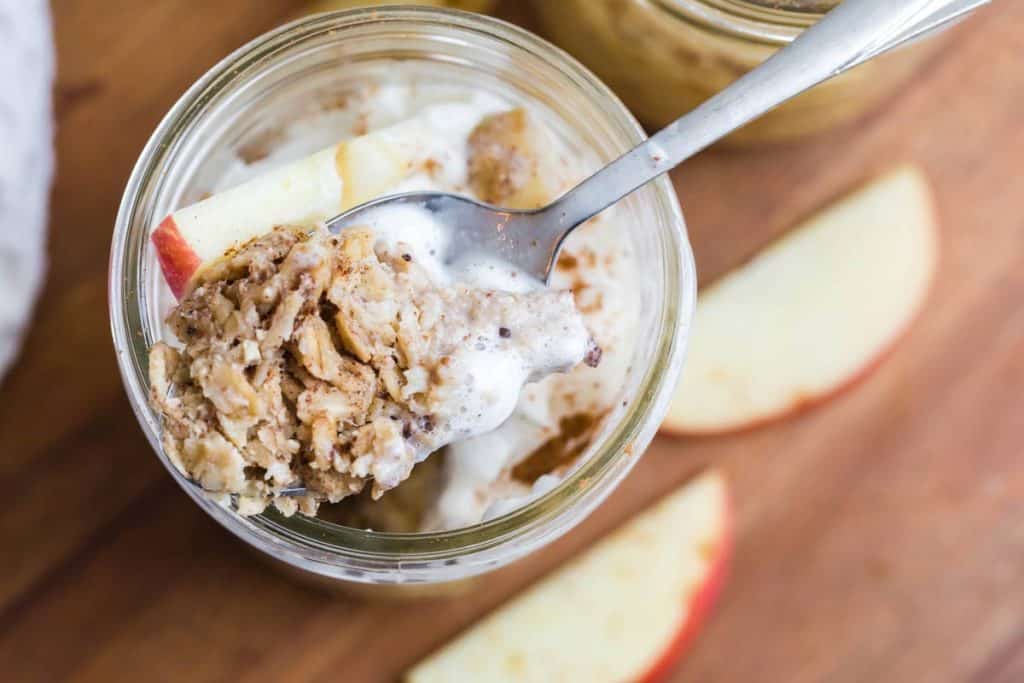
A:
852,33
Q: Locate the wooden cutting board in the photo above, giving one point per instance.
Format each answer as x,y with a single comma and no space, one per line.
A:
880,536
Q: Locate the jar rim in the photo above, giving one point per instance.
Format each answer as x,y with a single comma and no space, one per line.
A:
776,22
389,557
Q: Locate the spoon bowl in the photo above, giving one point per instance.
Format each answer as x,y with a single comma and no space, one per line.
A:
476,231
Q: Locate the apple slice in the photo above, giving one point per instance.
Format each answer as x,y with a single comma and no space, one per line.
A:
307,189
811,313
623,611
315,188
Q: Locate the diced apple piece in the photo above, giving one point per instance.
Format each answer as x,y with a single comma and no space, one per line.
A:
811,313
623,611
510,161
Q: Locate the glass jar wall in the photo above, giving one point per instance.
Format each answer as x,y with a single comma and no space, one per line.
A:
263,86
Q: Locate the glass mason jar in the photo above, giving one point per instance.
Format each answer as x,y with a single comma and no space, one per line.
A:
273,79
664,57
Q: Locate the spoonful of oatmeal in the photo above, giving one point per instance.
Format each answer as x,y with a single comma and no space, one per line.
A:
852,33
312,365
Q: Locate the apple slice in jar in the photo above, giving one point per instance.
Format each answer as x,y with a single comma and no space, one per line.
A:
811,313
315,188
625,610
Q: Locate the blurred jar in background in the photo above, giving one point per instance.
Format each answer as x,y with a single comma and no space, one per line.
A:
664,57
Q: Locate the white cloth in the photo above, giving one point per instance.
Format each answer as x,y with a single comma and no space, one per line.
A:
26,162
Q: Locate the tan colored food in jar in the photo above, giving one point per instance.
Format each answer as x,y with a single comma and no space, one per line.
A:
662,62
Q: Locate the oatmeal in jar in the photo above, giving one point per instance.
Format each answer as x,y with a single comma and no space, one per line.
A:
335,365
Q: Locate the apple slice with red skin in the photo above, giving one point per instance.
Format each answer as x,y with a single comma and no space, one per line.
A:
305,190
315,188
811,313
625,610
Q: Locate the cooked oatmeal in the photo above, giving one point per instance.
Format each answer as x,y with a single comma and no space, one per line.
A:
332,362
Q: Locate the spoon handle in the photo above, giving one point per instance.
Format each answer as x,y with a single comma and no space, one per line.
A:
852,33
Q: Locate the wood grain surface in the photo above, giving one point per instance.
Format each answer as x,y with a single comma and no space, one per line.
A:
880,536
